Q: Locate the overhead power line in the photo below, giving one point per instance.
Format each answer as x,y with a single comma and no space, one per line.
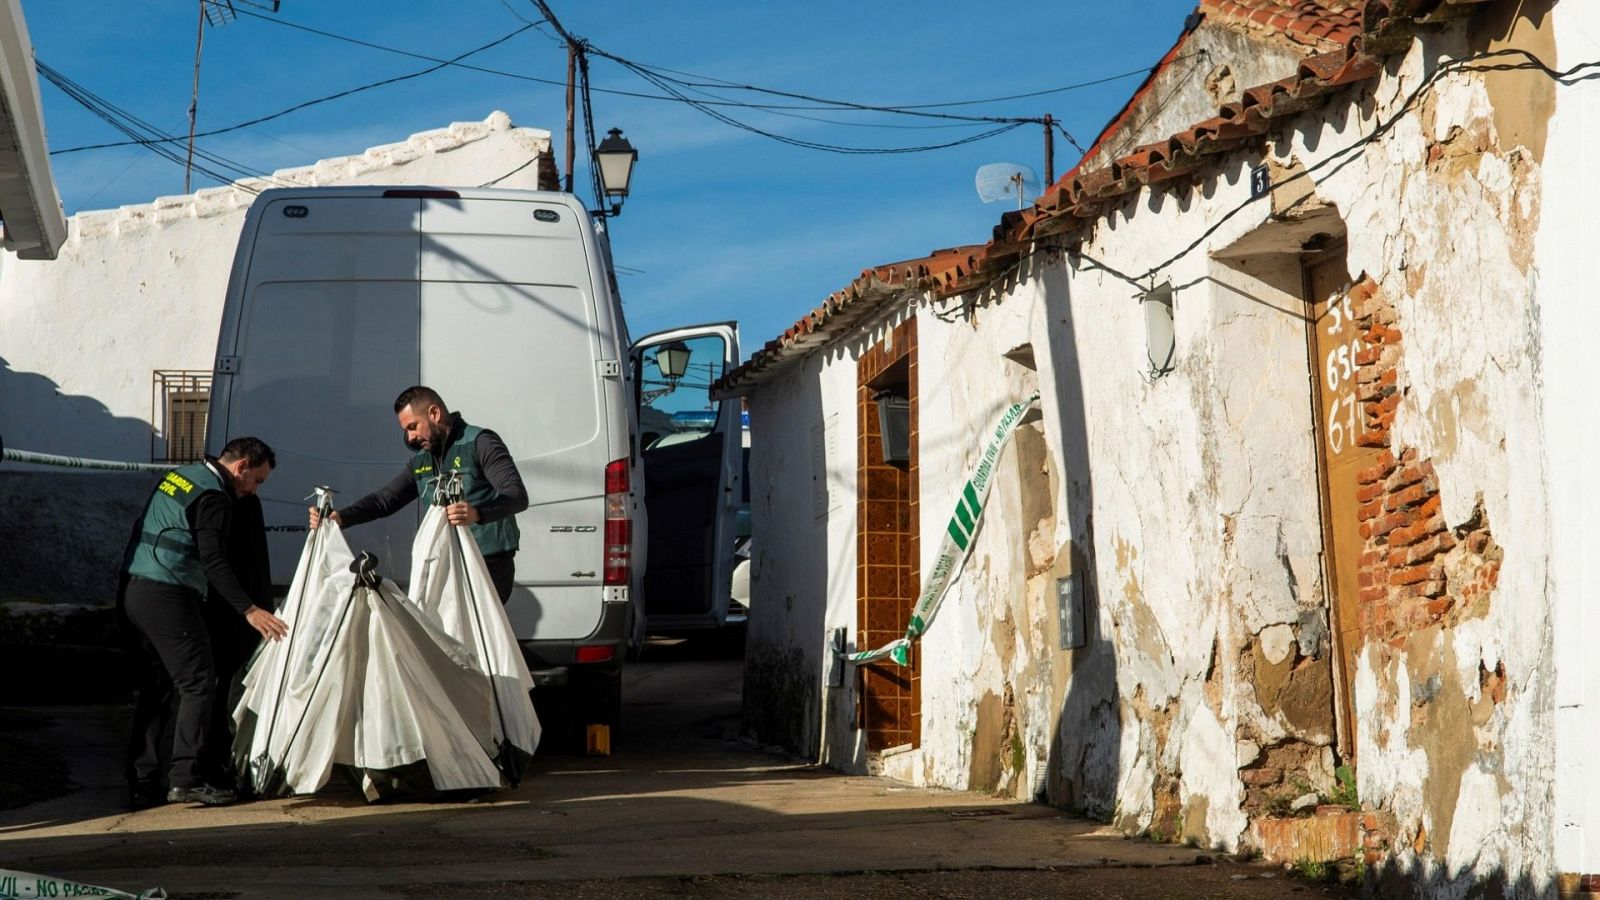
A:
143,134
315,101
721,83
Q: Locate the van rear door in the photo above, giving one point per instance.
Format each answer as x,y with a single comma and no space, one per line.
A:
692,461
511,338
326,333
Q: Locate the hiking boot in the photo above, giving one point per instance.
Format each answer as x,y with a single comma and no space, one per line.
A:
205,795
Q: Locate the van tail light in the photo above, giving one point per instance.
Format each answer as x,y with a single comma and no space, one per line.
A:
619,527
591,653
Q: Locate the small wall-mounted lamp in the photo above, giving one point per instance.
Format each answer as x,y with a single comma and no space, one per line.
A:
1159,333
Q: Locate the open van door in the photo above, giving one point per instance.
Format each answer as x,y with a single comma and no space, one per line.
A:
691,453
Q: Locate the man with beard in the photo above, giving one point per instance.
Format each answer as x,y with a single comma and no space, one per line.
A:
492,490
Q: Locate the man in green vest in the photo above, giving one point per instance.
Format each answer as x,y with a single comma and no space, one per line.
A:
178,550
443,442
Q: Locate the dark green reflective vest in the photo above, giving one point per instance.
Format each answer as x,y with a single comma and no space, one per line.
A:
167,551
461,456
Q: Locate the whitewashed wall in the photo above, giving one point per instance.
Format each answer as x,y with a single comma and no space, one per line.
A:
138,289
141,288
1569,320
802,567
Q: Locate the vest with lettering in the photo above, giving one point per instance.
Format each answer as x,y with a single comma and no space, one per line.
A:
461,455
167,551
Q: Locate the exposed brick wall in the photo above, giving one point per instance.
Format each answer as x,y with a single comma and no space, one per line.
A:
549,174
1415,571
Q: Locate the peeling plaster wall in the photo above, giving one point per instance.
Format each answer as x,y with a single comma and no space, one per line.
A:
1567,272
1224,59
1188,502
141,288
1442,215
1203,497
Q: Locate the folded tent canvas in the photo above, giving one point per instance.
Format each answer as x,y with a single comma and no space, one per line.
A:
418,696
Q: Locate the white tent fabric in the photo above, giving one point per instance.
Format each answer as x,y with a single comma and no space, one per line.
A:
422,696
451,584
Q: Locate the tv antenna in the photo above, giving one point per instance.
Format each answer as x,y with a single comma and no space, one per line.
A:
215,13
1000,181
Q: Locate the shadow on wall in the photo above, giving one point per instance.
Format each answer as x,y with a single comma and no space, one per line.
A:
1085,750
64,530
1412,879
36,415
785,668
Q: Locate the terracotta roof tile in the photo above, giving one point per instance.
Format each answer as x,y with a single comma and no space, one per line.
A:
1082,196
1330,23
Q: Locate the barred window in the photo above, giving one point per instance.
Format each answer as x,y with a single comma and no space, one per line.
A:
179,404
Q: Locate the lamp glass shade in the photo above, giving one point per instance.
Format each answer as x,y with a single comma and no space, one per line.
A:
673,359
616,158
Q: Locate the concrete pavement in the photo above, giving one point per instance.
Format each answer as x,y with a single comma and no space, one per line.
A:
680,807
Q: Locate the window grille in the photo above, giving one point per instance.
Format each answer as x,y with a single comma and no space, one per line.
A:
180,401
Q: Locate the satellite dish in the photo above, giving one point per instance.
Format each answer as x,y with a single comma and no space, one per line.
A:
1003,181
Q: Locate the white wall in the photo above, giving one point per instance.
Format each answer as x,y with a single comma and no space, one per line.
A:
141,288
1568,271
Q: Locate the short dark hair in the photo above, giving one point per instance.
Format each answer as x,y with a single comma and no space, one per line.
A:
419,395
254,451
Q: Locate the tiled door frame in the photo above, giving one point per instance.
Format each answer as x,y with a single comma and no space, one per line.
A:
888,697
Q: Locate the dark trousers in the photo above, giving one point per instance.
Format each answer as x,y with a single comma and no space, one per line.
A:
177,665
503,572
233,642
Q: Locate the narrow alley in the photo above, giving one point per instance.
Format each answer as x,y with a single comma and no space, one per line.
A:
682,809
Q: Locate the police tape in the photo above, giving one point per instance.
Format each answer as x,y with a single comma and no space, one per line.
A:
957,541
27,886
77,462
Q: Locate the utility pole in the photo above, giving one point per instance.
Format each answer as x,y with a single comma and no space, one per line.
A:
572,69
1049,150
574,50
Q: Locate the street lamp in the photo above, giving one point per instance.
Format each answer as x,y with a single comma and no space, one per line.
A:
673,360
616,158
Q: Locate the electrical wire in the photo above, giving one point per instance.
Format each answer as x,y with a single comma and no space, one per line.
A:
496,181
1339,158
146,135
717,101
313,102
726,119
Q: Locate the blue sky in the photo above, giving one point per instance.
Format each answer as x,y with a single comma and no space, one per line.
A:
722,224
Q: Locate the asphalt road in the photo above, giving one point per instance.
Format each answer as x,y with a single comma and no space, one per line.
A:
682,809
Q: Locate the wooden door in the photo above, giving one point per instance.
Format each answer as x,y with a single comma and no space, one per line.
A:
1334,340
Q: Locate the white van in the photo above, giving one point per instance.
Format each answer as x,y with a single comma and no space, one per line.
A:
505,302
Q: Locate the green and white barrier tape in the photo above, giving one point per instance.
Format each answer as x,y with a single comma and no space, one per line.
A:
957,541
77,462
27,886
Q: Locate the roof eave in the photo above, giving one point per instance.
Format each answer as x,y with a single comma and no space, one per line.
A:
34,224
